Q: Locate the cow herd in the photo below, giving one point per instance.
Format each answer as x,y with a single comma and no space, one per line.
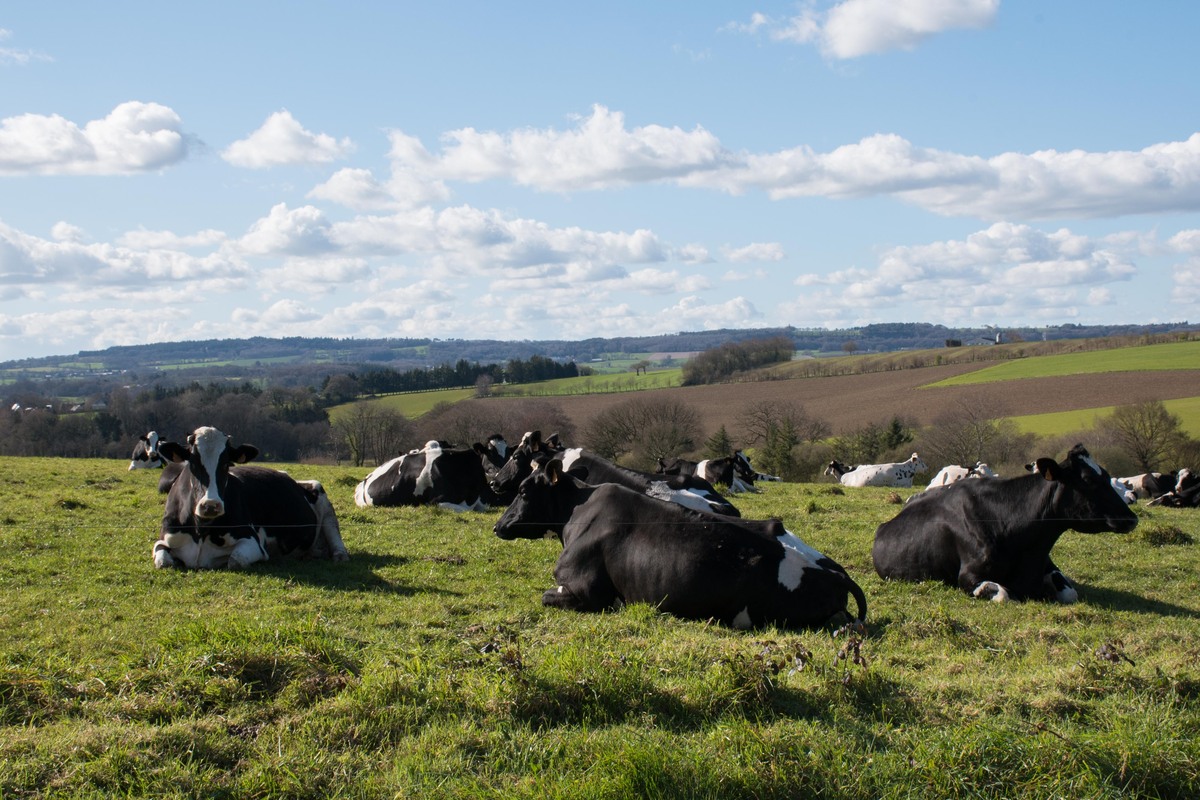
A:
668,538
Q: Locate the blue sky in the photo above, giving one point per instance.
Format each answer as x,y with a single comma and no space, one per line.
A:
549,170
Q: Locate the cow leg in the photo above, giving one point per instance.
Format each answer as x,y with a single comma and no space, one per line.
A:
1059,586
246,552
162,556
587,589
976,585
328,542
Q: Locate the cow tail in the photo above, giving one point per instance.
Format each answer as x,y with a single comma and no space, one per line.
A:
859,597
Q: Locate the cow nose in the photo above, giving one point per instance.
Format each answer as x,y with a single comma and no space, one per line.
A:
210,509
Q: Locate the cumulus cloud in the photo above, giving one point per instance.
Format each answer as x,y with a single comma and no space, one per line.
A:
602,153
756,251
283,141
1005,271
855,28
299,231
134,137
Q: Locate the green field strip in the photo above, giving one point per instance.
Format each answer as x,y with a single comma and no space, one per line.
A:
1054,424
1154,357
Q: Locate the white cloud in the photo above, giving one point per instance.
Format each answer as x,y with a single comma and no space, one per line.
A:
134,137
855,28
301,231
66,232
166,240
756,251
1005,271
283,141
600,153
10,55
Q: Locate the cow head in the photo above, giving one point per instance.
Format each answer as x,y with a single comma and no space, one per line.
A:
520,464
1085,497
544,503
206,460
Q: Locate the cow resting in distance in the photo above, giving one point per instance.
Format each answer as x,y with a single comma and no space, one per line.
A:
993,538
620,546
434,475
145,452
898,473
691,491
221,514
733,471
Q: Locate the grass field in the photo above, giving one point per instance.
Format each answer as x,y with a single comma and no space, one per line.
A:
426,667
1171,356
1187,410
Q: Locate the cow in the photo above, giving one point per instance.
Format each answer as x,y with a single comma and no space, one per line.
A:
494,455
220,513
1150,485
437,474
837,469
895,474
993,538
950,474
145,452
620,546
733,471
686,490
1185,494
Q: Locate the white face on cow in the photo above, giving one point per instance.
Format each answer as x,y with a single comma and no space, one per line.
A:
209,444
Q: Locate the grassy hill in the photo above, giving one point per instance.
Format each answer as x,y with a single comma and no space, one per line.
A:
427,667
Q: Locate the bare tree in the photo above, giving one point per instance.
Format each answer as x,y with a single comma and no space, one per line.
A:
374,434
643,430
761,420
1145,431
975,430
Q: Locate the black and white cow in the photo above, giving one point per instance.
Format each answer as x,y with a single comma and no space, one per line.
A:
493,455
898,473
686,490
452,478
993,538
1185,493
145,452
733,471
620,546
949,474
219,514
837,469
1150,485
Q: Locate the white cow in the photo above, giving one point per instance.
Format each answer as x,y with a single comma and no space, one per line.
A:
1150,485
954,472
896,474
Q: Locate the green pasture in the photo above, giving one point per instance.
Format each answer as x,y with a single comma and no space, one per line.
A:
415,404
427,667
1170,356
1187,409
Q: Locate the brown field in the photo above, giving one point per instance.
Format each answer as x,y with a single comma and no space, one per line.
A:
848,402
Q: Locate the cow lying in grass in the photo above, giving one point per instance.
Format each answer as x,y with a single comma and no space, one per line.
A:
993,537
221,515
622,546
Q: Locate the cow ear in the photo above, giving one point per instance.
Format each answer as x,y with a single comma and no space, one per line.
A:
479,448
1047,468
553,470
243,453
173,451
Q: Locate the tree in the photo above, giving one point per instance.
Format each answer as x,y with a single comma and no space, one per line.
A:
1145,431
759,419
641,366
643,429
974,431
374,434
719,444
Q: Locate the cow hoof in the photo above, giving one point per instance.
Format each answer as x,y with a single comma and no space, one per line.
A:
340,555
990,590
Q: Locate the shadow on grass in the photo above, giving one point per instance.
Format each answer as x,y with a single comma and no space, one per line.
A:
1119,600
360,573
